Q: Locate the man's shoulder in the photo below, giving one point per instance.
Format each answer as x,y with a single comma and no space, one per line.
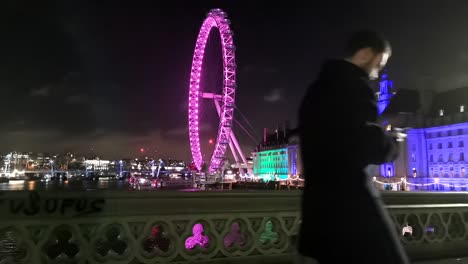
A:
340,78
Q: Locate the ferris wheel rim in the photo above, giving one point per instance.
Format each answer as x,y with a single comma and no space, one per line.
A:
216,18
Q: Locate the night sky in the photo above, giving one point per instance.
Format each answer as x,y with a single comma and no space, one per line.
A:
111,78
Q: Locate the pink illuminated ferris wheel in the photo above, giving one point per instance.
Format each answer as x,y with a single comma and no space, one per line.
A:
224,102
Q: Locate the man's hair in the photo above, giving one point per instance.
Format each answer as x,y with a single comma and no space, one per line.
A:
366,39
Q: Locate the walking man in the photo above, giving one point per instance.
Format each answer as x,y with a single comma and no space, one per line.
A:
343,219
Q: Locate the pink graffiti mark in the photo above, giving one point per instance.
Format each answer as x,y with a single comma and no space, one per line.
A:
198,238
234,236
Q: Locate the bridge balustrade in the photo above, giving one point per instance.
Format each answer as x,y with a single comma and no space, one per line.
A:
200,227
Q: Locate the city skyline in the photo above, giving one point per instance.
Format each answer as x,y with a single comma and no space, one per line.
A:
114,77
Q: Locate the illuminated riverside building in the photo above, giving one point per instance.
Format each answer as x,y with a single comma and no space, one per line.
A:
436,151
384,96
277,157
32,161
278,163
97,164
16,161
433,155
175,165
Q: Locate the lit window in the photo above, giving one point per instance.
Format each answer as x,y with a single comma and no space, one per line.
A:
462,108
441,112
441,158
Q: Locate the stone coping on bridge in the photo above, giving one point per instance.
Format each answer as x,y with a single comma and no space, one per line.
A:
112,203
200,227
17,204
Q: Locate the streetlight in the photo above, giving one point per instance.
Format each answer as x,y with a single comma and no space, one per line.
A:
7,166
159,167
121,164
51,168
153,168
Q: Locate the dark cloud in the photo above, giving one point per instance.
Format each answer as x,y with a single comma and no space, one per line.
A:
108,143
43,91
274,96
259,69
438,83
77,99
183,131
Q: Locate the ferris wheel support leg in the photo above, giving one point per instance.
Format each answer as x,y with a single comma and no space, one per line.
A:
234,154
233,150
239,150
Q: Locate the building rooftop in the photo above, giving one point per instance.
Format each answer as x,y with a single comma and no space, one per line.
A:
449,101
409,108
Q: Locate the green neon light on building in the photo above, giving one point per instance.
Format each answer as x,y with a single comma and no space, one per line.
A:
272,162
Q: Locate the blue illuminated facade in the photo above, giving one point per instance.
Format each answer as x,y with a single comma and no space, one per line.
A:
437,154
385,93
384,96
434,157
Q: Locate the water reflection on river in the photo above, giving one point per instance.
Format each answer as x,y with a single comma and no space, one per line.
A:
25,185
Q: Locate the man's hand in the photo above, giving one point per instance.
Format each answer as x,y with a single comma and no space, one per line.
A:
397,133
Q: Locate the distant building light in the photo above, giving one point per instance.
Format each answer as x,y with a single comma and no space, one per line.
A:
441,112
462,108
